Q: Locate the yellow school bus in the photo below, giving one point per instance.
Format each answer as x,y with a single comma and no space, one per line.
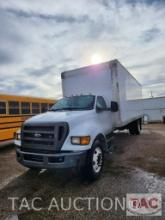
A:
14,110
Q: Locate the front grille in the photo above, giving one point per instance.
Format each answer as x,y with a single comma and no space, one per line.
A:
38,142
38,128
44,138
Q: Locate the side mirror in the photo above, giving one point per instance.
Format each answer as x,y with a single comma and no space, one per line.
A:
114,106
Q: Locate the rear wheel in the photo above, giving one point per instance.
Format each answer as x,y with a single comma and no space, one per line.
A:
94,161
135,127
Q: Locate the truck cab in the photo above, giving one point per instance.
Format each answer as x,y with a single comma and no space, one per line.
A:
64,136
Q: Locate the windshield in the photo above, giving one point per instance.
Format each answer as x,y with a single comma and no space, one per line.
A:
83,102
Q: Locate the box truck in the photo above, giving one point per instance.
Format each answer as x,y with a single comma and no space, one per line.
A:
77,130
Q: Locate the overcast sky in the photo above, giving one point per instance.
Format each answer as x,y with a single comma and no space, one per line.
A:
41,38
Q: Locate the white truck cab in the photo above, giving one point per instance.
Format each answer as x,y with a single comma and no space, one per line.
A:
77,130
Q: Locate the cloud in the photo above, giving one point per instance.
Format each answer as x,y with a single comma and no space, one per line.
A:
155,90
150,35
5,58
42,38
59,18
38,72
15,86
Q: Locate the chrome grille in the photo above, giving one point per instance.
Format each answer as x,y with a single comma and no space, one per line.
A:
44,136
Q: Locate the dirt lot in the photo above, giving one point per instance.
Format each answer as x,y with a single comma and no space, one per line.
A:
135,165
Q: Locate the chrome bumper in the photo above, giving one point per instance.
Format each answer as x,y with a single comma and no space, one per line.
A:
50,161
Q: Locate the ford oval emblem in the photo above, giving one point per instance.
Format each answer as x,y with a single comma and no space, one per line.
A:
37,135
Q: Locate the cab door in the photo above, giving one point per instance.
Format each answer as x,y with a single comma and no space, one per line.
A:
103,115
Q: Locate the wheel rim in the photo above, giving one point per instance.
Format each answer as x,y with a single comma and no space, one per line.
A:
97,159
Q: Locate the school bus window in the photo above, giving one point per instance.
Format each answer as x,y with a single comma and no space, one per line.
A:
35,108
25,107
44,107
2,107
13,108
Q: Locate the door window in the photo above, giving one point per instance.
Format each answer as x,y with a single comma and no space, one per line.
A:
101,104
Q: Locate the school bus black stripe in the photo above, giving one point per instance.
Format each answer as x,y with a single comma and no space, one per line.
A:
14,116
1,123
10,128
8,139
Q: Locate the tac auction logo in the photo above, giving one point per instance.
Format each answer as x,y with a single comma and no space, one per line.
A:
149,204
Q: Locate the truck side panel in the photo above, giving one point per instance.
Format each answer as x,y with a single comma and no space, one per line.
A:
130,96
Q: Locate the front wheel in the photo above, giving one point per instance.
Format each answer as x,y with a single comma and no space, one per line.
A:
94,161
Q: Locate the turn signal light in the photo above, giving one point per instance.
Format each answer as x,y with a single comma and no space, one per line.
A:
82,140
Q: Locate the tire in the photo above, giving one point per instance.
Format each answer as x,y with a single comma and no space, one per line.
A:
135,127
94,162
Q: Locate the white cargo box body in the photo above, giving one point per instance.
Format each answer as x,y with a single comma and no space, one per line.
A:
110,80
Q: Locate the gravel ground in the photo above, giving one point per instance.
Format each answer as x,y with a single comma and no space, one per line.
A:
135,165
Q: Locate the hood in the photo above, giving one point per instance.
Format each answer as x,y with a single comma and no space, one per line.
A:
60,116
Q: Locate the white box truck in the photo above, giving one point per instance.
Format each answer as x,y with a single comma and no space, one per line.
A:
77,130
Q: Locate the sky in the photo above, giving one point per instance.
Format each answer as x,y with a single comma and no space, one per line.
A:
41,38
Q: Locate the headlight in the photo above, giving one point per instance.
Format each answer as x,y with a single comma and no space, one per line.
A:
17,136
82,140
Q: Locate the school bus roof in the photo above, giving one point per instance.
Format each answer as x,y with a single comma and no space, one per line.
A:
9,97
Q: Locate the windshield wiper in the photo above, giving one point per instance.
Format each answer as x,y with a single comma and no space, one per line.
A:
52,110
61,109
70,108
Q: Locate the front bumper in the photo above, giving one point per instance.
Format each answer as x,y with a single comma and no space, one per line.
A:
50,161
